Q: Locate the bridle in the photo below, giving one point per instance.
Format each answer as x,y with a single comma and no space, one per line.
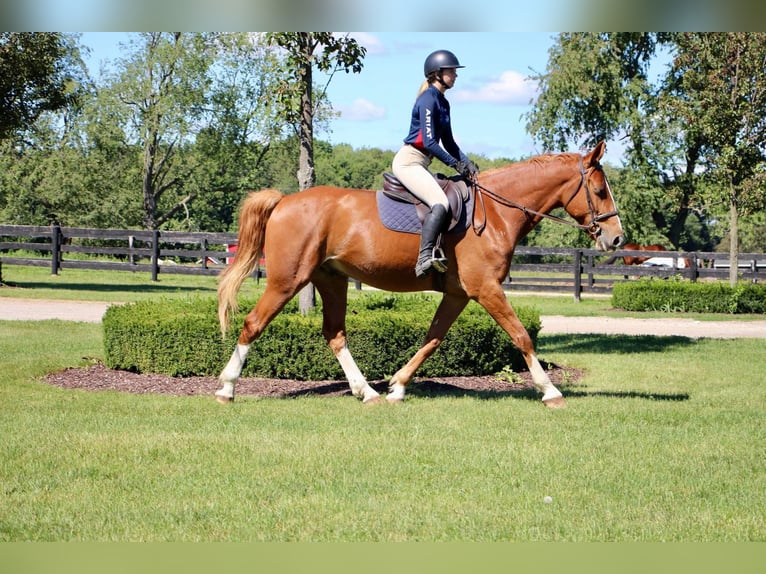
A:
592,227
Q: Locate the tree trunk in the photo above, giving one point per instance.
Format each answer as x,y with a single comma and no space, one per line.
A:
306,179
733,237
150,201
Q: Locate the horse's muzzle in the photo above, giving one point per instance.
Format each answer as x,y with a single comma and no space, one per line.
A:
608,242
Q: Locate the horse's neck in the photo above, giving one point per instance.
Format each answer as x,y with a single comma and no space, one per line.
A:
535,187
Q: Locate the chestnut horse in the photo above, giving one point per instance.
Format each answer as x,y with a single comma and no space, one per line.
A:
636,260
324,235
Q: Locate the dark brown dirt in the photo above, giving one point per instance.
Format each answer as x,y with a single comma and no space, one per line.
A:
99,378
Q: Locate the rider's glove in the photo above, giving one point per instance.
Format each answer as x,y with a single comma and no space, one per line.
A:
467,169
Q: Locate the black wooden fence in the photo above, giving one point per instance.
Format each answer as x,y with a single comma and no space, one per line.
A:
575,271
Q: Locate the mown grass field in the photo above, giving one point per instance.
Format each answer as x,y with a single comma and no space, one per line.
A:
664,440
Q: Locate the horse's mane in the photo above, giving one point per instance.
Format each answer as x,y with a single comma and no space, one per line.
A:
538,161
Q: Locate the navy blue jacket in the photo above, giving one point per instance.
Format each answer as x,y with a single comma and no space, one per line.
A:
430,125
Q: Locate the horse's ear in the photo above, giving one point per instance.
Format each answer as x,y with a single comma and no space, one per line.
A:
593,158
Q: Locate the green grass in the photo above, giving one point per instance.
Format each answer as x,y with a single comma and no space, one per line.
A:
111,286
663,440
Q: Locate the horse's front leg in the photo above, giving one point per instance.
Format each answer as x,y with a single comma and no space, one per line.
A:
494,301
450,307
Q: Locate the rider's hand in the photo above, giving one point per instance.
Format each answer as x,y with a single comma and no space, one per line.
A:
467,169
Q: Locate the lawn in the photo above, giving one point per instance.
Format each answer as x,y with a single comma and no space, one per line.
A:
663,440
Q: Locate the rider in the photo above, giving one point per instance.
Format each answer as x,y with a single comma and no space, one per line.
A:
430,126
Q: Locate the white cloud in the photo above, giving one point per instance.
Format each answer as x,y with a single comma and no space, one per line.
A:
511,88
369,41
362,111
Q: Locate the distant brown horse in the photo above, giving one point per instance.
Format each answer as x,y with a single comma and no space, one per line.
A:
325,235
638,260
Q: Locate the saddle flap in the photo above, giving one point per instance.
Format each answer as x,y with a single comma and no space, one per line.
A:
394,189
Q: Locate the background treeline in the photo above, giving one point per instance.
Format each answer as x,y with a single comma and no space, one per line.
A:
177,130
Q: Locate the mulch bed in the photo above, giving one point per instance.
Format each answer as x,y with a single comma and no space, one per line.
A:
99,378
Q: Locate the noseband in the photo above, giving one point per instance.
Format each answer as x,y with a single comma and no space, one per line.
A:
592,227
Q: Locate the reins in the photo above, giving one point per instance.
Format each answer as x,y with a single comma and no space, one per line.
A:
591,227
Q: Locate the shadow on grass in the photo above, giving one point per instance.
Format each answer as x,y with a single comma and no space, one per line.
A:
429,388
435,389
602,344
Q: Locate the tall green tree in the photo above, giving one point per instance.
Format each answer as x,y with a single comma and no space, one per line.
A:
719,86
683,129
303,51
43,83
39,72
598,86
163,84
198,109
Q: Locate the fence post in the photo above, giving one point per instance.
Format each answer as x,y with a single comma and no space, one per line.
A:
203,244
155,254
693,271
577,275
55,249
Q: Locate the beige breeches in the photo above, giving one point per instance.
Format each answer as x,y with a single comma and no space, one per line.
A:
410,166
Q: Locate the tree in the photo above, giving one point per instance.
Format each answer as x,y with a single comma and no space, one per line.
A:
162,83
342,166
687,132
304,50
39,72
721,88
598,86
198,107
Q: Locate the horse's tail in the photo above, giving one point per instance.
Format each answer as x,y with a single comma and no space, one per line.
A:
255,212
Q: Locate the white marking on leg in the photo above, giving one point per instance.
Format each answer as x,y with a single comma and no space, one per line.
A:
359,386
231,372
542,382
395,393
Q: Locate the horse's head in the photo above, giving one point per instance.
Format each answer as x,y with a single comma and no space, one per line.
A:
592,203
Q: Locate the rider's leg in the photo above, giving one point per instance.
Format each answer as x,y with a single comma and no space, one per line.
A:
410,166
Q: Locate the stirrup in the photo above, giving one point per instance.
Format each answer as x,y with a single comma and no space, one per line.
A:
436,261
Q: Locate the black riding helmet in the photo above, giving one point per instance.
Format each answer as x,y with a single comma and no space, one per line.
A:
439,60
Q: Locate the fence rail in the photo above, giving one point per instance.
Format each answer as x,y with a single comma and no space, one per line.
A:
576,271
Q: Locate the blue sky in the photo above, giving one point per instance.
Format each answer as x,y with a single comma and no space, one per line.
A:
491,94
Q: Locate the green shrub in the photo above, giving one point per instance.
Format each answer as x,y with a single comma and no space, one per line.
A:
182,338
679,295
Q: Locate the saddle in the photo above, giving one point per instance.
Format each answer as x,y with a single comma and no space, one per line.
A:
400,210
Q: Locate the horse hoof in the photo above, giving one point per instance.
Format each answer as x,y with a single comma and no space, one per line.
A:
224,400
373,401
392,400
555,403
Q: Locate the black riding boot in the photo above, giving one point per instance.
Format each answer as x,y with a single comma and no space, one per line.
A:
430,256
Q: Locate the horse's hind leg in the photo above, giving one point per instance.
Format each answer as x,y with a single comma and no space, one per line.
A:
333,289
449,309
269,305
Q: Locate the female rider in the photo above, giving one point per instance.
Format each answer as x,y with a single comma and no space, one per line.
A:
430,126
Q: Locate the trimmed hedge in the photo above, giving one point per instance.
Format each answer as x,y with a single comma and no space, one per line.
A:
679,295
182,338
